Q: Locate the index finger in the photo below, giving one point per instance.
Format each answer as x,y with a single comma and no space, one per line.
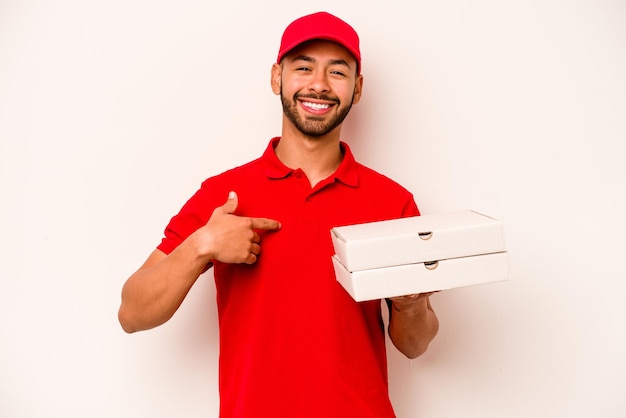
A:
265,224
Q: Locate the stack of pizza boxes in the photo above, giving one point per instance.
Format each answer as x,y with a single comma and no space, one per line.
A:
419,254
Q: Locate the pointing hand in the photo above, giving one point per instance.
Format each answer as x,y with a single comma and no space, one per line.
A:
234,239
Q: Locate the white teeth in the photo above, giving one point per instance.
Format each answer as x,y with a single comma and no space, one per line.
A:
316,106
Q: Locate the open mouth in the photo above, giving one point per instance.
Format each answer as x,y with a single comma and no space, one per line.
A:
316,107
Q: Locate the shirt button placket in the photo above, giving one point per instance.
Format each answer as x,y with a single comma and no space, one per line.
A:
310,217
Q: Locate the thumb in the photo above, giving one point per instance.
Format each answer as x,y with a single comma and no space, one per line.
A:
231,204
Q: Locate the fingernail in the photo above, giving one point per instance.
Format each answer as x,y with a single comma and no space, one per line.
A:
231,195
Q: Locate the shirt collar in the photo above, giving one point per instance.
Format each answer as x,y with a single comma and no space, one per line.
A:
345,173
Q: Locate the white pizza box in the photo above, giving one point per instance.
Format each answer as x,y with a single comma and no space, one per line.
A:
407,279
417,239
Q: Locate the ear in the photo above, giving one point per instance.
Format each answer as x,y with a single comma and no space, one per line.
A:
276,78
358,89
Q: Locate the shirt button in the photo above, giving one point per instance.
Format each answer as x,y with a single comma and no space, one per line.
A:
308,199
297,174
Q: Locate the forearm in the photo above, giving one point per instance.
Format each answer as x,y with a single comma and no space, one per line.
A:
412,326
154,292
151,296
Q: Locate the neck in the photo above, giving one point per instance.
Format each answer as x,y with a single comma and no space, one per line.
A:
317,157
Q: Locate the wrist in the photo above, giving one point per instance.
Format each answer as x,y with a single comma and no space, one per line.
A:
201,246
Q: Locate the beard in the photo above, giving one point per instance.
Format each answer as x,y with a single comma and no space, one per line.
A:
313,126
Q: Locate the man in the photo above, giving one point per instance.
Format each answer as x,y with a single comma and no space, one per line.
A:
292,341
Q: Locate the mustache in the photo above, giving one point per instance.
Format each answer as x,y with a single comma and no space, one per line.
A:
317,97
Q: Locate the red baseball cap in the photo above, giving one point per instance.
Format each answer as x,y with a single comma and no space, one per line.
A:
320,25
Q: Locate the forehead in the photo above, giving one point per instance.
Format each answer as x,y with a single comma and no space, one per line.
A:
320,49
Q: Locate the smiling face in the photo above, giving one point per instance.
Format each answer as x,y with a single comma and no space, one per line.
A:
318,84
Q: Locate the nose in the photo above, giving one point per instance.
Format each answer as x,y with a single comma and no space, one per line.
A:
319,82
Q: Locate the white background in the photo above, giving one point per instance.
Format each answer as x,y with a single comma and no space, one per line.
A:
113,112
